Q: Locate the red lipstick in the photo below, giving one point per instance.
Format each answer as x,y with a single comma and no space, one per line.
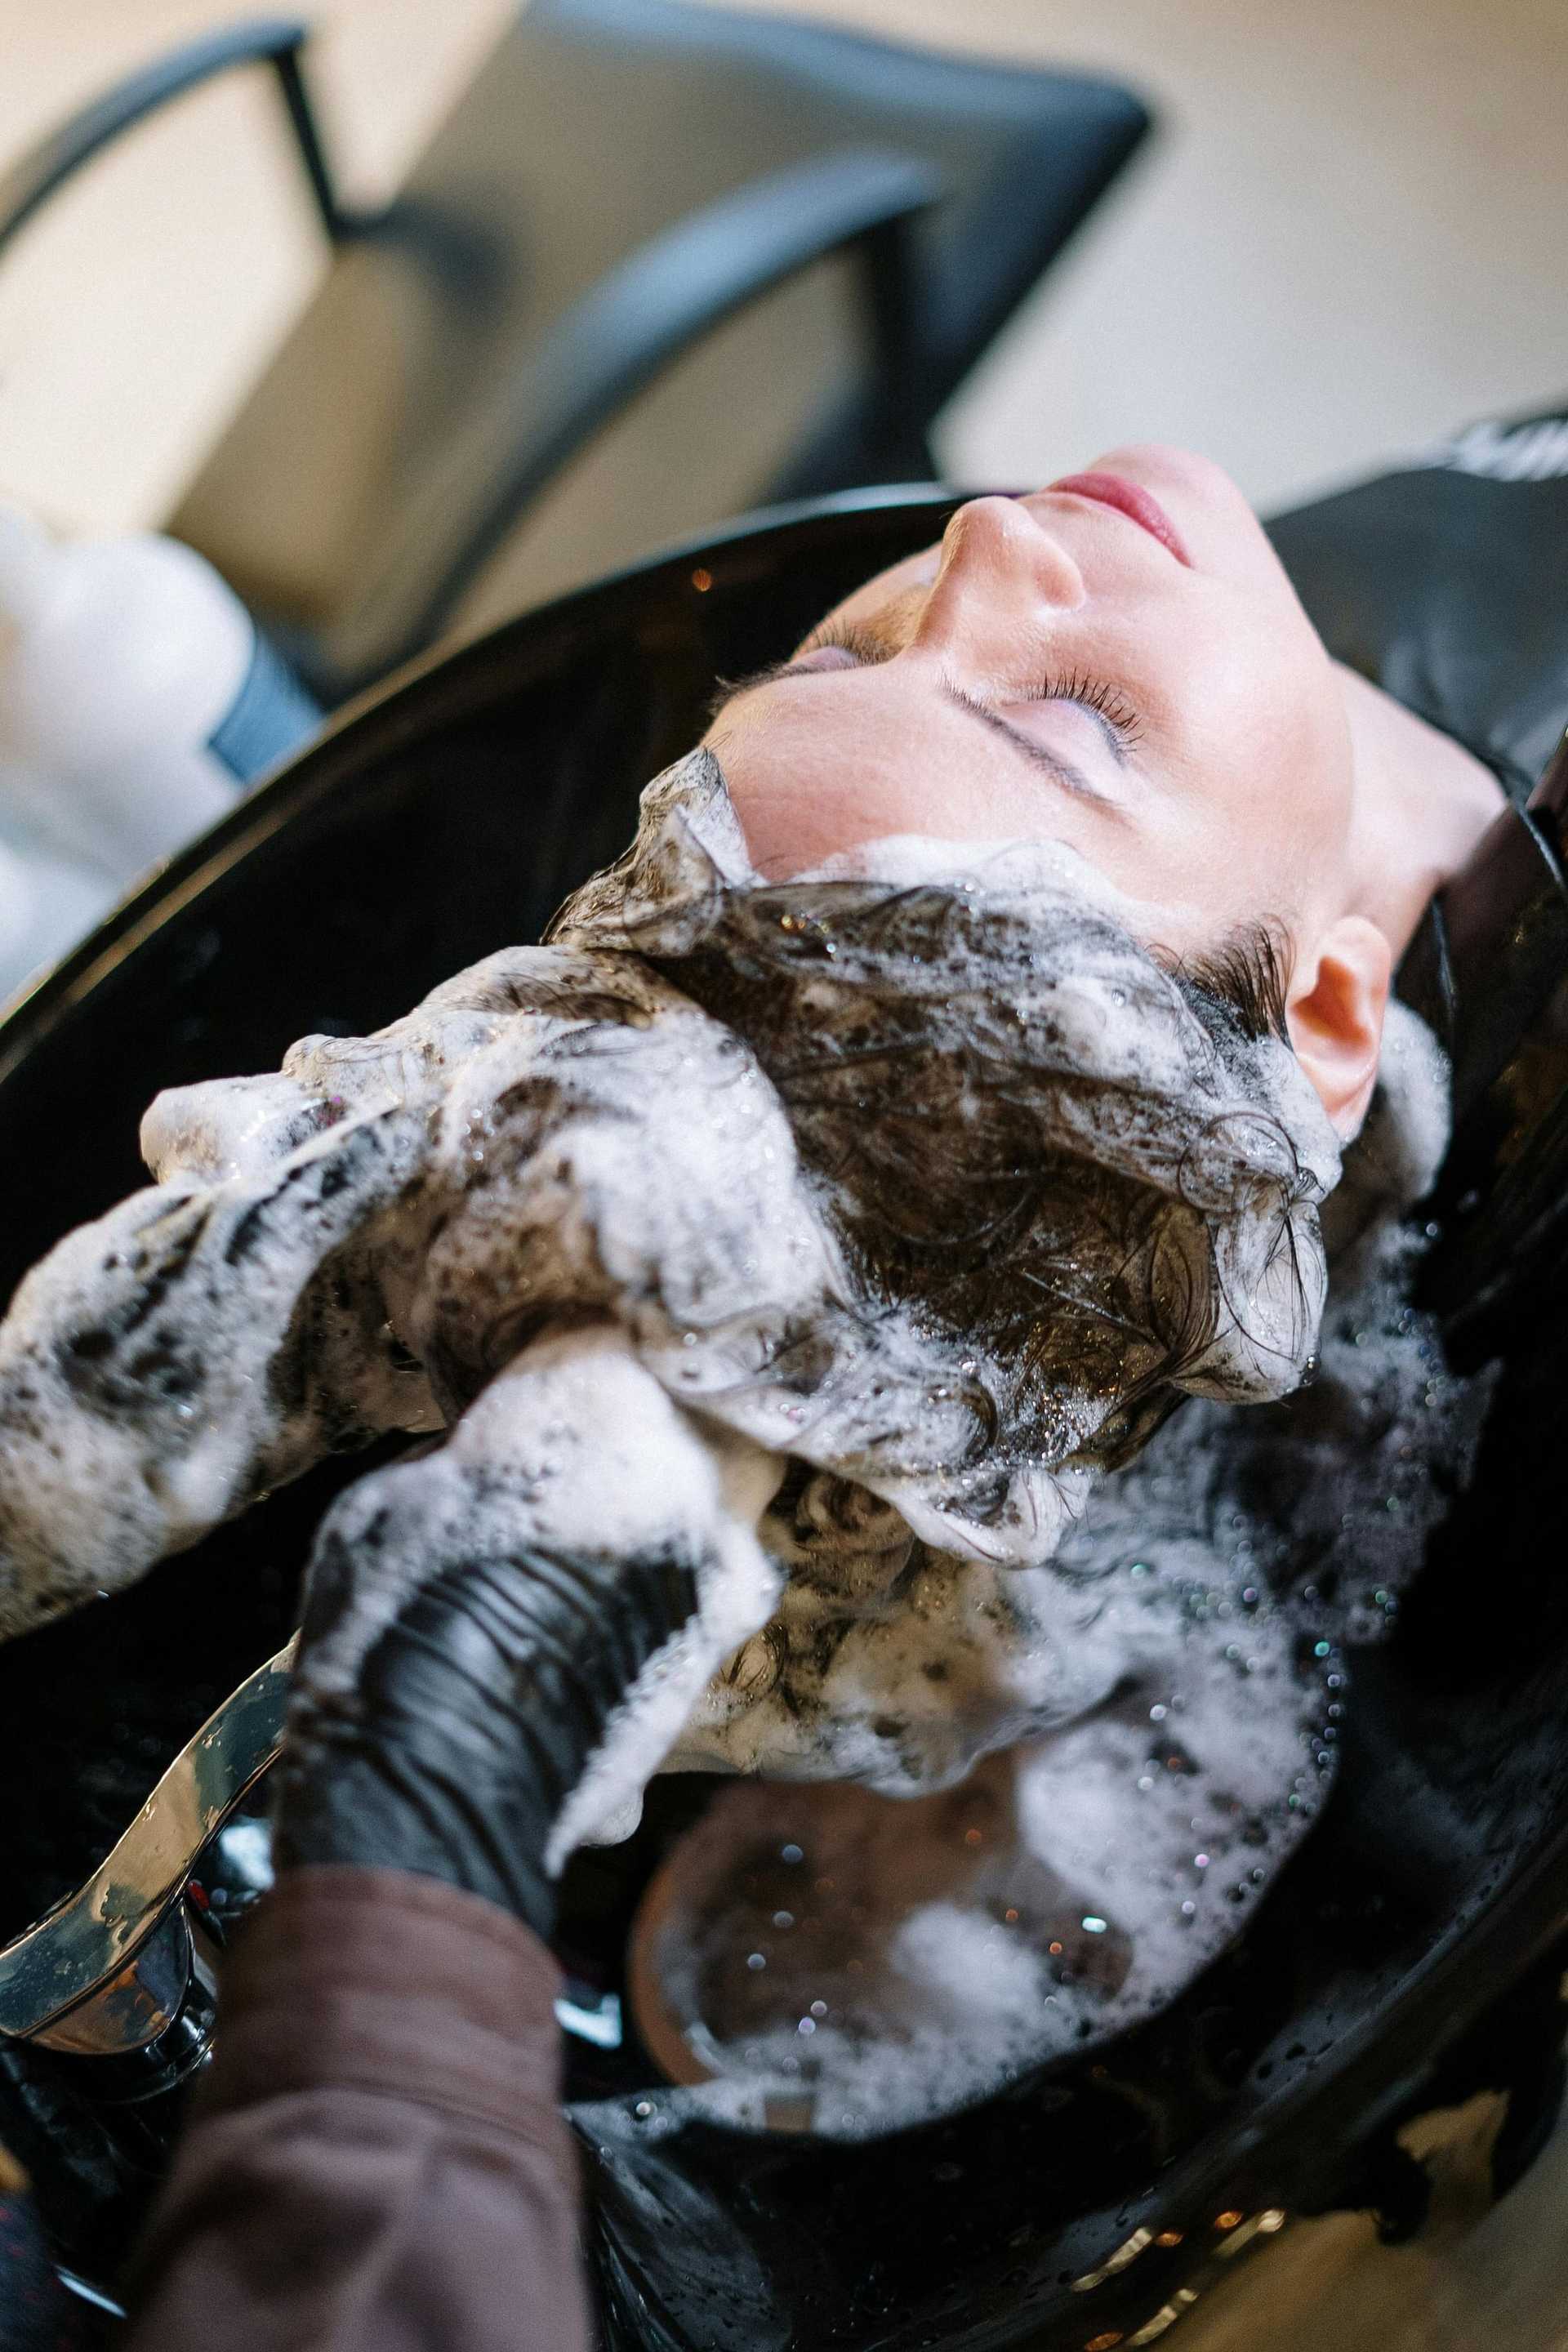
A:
1132,500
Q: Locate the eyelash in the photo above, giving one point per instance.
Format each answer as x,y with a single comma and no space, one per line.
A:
1075,686
1094,695
861,643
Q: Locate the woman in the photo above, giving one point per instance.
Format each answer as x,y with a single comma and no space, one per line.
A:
1118,665
1120,662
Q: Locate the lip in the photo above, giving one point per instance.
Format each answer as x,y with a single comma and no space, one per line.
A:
1139,505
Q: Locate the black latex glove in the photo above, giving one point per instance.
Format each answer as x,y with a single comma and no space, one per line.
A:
458,1668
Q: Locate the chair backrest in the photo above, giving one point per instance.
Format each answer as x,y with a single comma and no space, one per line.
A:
595,127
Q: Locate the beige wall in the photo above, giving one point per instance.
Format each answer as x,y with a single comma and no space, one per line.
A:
136,311
1350,234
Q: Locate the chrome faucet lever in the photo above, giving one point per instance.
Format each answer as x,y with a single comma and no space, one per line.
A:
112,1972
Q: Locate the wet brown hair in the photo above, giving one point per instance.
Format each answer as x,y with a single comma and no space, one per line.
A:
1249,972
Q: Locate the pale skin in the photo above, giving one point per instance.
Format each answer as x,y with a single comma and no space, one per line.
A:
1156,699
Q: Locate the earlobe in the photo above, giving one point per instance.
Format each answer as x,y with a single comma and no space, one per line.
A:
1334,1013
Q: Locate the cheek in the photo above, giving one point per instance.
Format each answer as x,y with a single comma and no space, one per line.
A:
1273,753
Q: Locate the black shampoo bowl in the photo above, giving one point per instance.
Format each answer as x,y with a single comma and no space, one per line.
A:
1409,1954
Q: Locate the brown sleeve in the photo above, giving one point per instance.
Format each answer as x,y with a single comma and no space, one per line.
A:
377,2162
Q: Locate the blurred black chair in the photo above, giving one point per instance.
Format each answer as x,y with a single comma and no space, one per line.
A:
620,180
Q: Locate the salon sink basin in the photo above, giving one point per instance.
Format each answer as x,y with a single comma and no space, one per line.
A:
446,815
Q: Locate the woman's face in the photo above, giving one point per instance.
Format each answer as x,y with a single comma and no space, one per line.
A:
1118,662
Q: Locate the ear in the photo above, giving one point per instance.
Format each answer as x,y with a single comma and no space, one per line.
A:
1334,1013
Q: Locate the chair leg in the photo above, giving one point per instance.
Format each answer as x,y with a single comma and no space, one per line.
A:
899,403
878,431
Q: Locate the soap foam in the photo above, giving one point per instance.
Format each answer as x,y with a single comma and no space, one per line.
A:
921,1951
935,1949
938,1194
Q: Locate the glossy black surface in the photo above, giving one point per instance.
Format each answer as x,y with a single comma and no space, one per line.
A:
436,824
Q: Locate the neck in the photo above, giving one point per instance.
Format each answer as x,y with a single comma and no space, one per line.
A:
1423,801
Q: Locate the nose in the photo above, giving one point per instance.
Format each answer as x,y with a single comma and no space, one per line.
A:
998,564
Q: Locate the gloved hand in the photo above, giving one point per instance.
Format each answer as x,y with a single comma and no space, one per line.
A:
476,1619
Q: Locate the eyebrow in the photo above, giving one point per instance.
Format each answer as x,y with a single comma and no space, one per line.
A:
1060,771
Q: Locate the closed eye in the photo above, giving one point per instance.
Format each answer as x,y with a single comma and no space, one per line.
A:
864,645
868,644
1119,722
